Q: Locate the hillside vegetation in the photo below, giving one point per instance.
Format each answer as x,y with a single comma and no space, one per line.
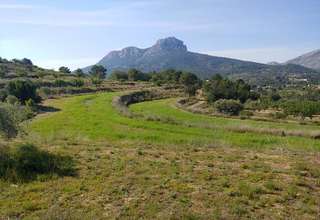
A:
166,163
76,146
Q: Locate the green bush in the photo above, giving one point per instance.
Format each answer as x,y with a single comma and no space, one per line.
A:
228,107
279,115
301,108
23,90
246,114
77,82
26,162
12,100
10,118
219,88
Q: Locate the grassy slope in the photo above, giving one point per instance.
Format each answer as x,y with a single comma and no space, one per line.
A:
93,117
131,168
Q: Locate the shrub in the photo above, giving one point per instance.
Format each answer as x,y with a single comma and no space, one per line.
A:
279,115
301,108
26,162
8,125
10,118
228,107
11,99
219,88
44,92
78,82
64,69
60,83
23,90
98,71
245,114
119,75
190,83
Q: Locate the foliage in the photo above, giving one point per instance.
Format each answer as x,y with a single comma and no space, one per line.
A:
98,71
169,76
11,99
8,125
136,75
190,83
228,107
64,69
301,108
23,90
219,88
77,82
26,162
26,62
96,81
119,75
60,83
4,70
79,73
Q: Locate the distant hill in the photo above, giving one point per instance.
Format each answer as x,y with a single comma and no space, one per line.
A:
173,53
310,60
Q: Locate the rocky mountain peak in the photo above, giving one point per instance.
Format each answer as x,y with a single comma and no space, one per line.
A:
170,44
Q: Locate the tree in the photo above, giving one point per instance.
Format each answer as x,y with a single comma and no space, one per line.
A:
64,69
79,73
8,125
98,71
219,88
23,90
133,74
229,107
26,62
301,108
4,70
119,75
190,83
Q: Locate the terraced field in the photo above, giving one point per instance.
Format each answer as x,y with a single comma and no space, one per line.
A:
166,163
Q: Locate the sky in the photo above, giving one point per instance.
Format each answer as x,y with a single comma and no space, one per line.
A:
77,33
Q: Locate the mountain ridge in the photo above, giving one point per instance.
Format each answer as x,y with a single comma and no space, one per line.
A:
310,60
172,53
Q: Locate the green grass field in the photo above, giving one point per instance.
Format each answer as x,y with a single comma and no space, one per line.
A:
136,168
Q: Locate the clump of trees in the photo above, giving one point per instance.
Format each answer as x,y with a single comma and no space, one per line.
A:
228,106
97,73
301,108
169,76
130,75
190,82
24,90
11,115
221,88
64,69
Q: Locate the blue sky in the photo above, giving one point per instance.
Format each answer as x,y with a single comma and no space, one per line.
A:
77,33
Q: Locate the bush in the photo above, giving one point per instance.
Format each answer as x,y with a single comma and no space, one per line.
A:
60,83
78,82
219,88
279,115
10,118
246,114
23,90
228,107
26,162
12,100
301,108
